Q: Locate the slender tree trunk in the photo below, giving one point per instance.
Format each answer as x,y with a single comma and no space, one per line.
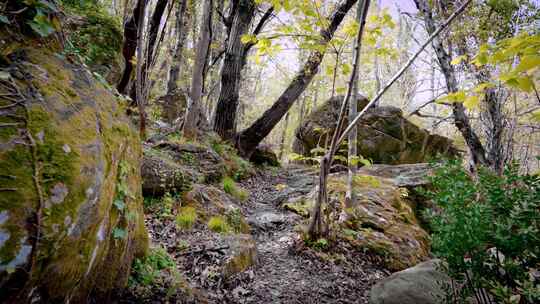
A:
248,139
194,110
283,136
460,117
140,77
316,222
316,228
352,152
170,109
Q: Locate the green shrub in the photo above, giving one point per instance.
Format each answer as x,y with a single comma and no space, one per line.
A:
235,219
487,229
186,218
230,187
145,271
219,224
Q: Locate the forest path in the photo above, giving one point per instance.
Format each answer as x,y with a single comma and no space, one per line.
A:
287,272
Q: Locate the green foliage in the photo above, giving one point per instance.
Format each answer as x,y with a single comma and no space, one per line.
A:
320,244
98,40
230,187
186,218
523,48
219,224
234,219
145,271
162,206
487,229
40,16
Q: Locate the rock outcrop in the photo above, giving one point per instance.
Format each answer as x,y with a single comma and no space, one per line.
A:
383,220
421,284
71,217
384,135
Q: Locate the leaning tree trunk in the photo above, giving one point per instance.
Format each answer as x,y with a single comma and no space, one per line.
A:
247,140
460,117
194,110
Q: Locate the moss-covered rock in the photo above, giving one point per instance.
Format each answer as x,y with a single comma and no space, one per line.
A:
384,135
173,167
382,221
71,218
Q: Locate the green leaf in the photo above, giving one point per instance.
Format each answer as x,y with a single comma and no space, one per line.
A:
528,63
4,19
119,204
119,233
525,84
41,25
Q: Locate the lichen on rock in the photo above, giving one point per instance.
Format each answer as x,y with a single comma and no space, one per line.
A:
59,167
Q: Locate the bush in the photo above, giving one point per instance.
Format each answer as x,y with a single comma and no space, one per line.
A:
218,224
487,229
186,218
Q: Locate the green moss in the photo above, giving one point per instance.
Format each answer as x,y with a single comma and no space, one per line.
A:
230,187
219,224
186,218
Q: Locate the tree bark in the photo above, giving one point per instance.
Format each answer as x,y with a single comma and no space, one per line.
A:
352,152
461,120
316,227
231,72
247,140
170,109
194,110
283,136
129,46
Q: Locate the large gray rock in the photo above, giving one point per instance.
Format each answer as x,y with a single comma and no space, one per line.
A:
71,217
420,284
384,135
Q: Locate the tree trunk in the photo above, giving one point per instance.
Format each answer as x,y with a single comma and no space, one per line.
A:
129,46
352,138
316,227
170,109
460,117
194,110
283,136
231,71
247,140
140,77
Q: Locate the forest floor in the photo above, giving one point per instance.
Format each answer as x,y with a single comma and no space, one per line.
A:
287,271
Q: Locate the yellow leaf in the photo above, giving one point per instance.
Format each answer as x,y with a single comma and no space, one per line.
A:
528,63
458,59
525,84
471,102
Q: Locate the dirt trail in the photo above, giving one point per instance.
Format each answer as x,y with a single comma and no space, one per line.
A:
287,271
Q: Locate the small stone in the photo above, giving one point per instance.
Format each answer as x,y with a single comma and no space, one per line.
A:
66,148
59,193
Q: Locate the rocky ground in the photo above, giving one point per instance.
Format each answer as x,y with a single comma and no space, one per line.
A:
285,271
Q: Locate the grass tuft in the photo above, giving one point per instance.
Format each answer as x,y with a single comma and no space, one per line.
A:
186,218
218,224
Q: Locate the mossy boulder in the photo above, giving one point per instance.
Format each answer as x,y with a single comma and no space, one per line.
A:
173,167
384,135
382,221
71,217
